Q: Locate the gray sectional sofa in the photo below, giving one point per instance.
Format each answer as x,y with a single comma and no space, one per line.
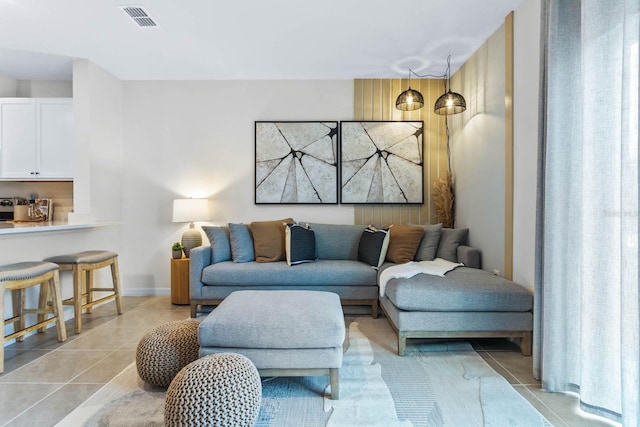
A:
467,302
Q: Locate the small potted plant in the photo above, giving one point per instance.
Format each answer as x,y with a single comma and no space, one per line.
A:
177,250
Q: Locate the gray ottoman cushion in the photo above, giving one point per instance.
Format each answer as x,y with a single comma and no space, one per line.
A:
461,290
275,320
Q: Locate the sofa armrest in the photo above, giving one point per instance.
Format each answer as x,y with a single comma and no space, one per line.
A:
200,257
469,256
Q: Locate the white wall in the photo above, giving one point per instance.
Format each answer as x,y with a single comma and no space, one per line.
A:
196,139
525,109
98,164
478,150
8,86
44,89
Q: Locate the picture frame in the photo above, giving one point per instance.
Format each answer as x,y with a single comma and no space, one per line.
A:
382,162
296,162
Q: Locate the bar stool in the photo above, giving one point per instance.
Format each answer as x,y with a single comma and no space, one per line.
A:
16,278
83,264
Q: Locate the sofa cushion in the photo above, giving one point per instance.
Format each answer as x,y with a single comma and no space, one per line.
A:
219,241
275,319
268,239
300,244
403,243
373,246
241,243
321,272
450,239
429,244
463,289
337,241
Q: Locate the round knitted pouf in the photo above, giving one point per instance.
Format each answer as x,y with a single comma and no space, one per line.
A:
217,390
166,349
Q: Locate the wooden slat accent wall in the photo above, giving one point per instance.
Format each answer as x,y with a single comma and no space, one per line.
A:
375,99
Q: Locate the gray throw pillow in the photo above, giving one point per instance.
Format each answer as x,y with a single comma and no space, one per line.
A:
373,246
241,243
219,240
450,239
429,244
300,244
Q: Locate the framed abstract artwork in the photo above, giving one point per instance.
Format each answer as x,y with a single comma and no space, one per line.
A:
296,162
381,162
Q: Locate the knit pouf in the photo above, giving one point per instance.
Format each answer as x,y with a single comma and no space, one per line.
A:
217,390
166,349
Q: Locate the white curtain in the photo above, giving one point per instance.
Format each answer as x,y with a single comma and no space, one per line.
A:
587,281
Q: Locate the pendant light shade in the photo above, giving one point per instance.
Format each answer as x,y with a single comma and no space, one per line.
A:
450,103
410,100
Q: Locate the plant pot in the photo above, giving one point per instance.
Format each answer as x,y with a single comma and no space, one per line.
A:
177,254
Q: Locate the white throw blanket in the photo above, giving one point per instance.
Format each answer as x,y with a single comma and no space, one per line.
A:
437,267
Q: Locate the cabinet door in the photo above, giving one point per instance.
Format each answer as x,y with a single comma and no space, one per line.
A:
55,137
18,138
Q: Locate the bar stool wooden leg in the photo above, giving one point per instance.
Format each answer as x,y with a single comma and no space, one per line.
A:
89,290
43,303
115,278
78,286
54,285
17,297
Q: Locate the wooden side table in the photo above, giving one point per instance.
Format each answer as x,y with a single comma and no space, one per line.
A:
180,281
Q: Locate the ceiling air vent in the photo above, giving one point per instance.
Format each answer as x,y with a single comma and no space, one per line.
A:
139,15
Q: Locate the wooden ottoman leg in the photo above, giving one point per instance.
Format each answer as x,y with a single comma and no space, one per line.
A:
402,343
334,375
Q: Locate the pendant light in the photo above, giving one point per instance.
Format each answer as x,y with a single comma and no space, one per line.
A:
410,99
448,103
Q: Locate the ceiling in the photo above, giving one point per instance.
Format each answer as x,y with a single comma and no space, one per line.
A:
251,39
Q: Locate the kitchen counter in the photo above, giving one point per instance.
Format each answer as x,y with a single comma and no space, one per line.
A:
40,227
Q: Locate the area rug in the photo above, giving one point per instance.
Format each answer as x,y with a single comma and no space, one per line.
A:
435,384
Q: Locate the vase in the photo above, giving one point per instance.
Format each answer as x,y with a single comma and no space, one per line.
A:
177,254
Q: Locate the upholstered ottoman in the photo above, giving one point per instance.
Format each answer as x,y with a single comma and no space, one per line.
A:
284,333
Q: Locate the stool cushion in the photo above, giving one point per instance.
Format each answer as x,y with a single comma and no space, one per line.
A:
86,257
275,320
165,349
218,390
25,270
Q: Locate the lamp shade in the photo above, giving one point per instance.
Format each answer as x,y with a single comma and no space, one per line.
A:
450,103
409,100
189,210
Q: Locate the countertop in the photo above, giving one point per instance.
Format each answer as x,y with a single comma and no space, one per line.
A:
40,227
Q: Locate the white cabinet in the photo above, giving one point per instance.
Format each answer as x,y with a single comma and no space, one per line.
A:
36,138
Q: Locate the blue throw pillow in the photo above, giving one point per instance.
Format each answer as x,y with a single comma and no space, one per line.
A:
450,239
241,243
300,244
373,246
219,240
429,244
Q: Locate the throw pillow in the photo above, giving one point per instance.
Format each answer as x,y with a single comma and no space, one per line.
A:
403,243
300,244
429,245
373,246
268,239
450,239
241,243
219,240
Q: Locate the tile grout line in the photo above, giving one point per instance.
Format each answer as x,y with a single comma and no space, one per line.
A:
520,384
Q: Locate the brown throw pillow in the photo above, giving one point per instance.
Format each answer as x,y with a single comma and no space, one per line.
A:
403,243
268,239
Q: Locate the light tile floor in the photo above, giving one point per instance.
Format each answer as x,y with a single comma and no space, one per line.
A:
43,382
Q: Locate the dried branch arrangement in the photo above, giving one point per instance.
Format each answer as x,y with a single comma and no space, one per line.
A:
444,200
